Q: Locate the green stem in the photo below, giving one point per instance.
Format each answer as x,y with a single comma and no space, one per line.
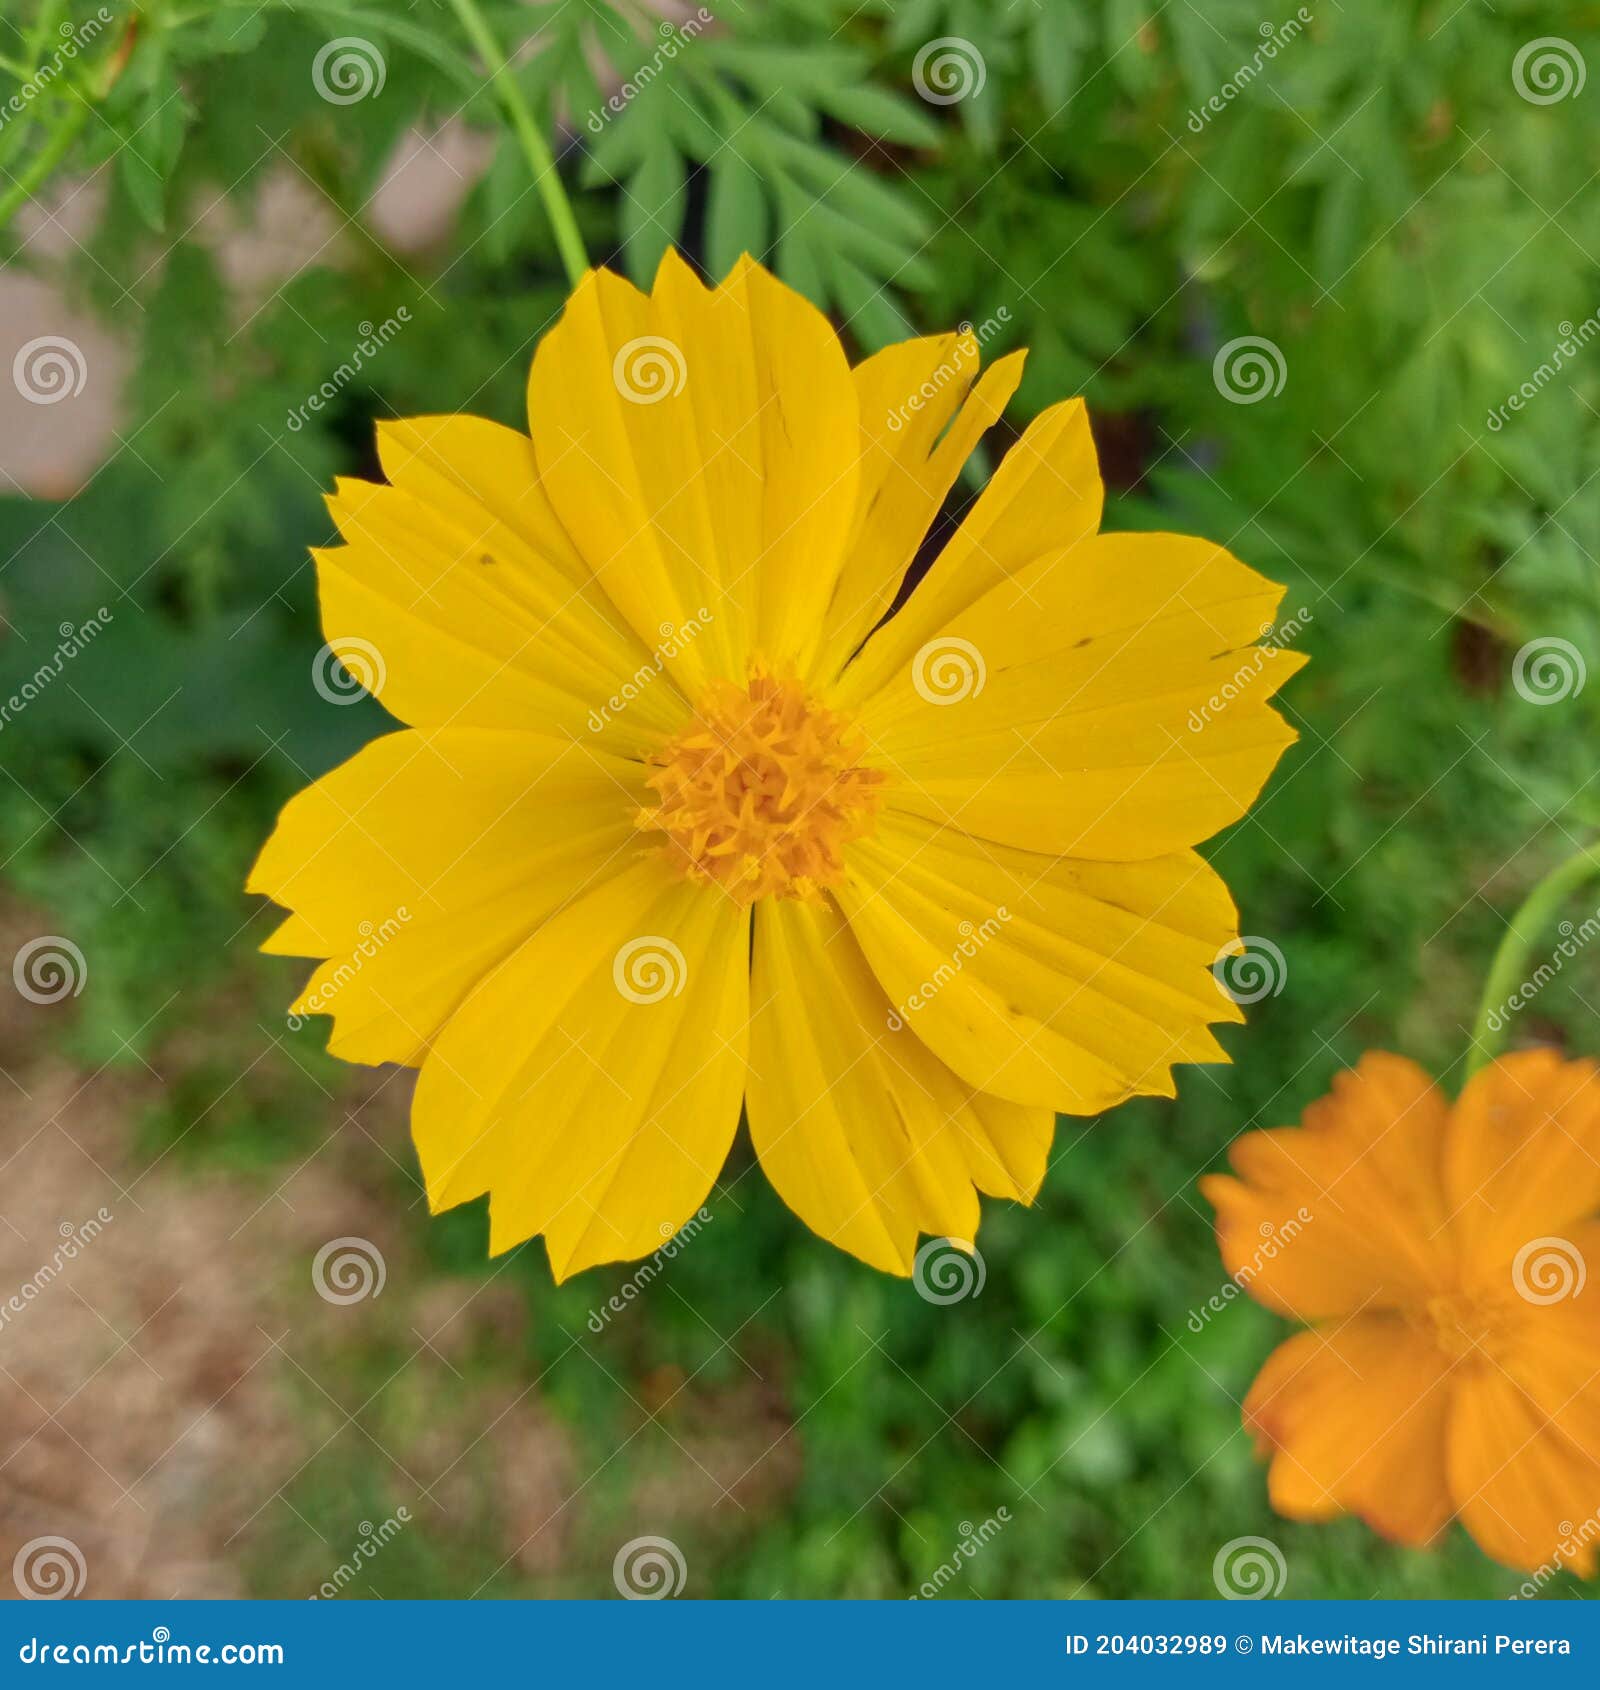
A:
1509,970
43,162
535,148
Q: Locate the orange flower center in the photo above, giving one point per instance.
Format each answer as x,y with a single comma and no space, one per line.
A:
1464,1325
762,791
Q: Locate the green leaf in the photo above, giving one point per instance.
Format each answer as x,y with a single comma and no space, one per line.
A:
736,212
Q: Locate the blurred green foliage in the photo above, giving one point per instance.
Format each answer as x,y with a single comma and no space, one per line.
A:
1411,235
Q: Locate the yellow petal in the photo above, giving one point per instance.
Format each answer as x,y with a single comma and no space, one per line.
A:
866,1135
450,616
591,1084
478,471
1355,1419
1107,702
1062,984
1366,1168
420,863
700,447
1046,495
921,415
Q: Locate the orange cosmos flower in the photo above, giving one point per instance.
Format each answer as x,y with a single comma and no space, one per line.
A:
1451,1365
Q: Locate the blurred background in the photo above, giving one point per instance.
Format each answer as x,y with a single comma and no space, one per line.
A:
1329,278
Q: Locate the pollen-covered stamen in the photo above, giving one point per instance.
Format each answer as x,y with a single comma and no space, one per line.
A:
1464,1325
762,791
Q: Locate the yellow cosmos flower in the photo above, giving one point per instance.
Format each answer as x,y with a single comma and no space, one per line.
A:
1443,1255
684,819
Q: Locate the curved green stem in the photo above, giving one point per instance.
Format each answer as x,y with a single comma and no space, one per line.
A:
535,148
1509,970
43,162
